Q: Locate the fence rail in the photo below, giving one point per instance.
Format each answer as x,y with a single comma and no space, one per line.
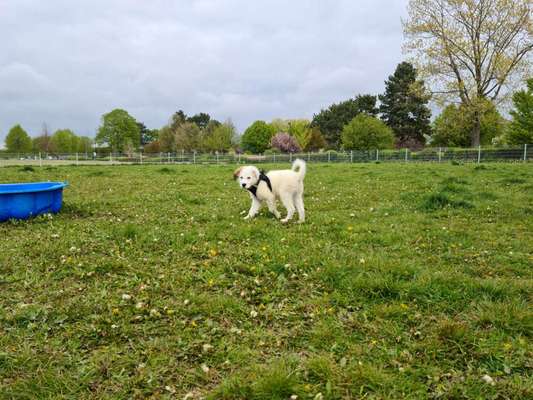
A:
438,155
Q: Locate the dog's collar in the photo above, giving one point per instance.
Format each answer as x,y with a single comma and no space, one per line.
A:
262,177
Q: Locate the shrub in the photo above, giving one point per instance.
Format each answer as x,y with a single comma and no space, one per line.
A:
365,132
285,143
152,147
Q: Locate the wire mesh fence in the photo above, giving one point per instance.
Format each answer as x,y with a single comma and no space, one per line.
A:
522,153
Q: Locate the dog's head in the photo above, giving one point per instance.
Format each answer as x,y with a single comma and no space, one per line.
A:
246,176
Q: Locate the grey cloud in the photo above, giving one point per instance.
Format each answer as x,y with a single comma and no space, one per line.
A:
67,62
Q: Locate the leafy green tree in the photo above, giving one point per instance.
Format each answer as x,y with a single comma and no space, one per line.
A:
64,141
117,129
201,119
365,132
521,127
18,140
146,135
300,129
84,144
332,120
188,137
404,106
316,140
167,140
453,127
256,137
279,125
178,118
221,138
470,49
211,126
42,143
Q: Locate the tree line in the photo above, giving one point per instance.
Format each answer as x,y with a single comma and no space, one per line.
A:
466,55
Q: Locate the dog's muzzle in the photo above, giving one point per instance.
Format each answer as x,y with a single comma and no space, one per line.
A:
243,185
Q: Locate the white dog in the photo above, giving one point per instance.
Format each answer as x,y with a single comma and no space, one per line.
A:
287,185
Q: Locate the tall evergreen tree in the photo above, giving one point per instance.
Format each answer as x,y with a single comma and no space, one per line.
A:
404,107
332,120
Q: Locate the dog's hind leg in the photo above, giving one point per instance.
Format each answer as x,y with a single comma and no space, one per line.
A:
254,209
273,209
299,202
288,202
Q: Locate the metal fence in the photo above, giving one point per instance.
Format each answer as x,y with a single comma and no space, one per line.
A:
438,155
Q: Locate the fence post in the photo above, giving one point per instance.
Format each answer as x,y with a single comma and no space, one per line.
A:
479,154
194,157
351,156
439,153
329,155
525,152
239,158
77,161
406,154
274,157
308,156
377,155
110,158
141,157
40,160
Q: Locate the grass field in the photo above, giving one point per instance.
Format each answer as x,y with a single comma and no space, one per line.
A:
406,281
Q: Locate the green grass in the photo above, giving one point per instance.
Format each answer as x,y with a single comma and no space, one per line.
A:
406,281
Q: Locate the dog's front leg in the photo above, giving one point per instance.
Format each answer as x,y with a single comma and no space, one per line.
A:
254,209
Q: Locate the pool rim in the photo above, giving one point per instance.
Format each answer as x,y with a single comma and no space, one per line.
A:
52,186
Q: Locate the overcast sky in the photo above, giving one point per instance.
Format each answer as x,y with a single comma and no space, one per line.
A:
67,62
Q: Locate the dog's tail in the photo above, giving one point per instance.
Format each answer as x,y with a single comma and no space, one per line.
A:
299,165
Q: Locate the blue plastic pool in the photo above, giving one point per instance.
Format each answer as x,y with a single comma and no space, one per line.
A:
25,200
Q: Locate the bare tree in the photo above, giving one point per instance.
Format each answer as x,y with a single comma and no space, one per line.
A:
470,49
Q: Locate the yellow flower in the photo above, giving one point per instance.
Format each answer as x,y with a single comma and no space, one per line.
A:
213,253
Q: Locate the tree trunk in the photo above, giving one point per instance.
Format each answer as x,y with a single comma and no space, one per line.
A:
476,130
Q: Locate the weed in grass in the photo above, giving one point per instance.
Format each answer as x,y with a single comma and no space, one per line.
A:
277,382
513,181
454,180
440,200
27,168
487,196
97,173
